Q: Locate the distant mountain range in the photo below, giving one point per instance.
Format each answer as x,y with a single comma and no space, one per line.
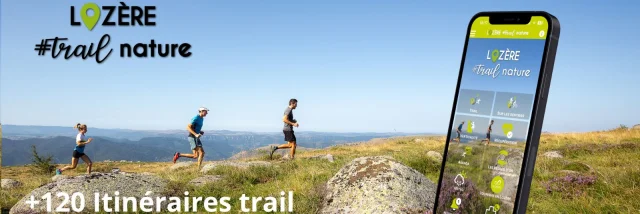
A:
134,145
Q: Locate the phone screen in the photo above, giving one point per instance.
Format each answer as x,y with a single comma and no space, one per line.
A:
492,116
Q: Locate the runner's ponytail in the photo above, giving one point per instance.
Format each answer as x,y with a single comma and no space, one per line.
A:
80,127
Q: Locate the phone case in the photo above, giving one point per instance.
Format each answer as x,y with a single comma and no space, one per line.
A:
539,105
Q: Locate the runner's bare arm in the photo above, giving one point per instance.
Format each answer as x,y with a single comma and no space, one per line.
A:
286,120
81,143
190,129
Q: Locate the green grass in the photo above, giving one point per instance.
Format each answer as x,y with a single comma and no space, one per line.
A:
611,157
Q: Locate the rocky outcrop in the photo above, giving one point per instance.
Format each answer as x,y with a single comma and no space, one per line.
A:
552,154
435,155
59,177
241,165
378,185
180,165
327,157
127,185
10,183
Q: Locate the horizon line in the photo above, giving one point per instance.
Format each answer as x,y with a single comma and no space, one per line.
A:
168,130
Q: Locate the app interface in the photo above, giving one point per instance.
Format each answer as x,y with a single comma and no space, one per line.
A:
492,116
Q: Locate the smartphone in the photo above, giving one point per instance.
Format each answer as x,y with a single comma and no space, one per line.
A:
497,113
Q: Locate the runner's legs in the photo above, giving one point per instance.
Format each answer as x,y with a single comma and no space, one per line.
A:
87,160
293,145
194,143
200,156
74,163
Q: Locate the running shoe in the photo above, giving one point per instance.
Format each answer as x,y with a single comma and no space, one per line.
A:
58,172
176,156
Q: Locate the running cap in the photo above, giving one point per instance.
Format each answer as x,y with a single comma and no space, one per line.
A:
203,109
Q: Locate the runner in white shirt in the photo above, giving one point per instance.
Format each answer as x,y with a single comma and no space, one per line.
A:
78,151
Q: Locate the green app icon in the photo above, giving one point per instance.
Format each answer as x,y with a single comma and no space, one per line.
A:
455,203
475,100
467,150
502,157
507,129
497,184
470,126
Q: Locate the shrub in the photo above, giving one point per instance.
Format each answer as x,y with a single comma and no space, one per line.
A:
41,164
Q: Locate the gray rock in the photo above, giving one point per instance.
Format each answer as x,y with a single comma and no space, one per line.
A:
115,170
637,126
201,181
378,185
552,154
435,155
59,177
10,183
129,185
241,165
327,157
179,165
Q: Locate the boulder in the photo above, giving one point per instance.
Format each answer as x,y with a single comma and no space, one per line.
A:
179,165
241,165
435,155
327,157
552,154
378,185
201,181
129,185
637,126
10,183
59,177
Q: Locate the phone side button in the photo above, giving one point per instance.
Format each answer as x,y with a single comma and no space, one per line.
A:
533,151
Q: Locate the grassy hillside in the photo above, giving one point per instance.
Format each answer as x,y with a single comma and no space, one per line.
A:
598,174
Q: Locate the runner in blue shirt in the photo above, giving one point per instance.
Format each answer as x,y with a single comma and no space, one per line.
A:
458,130
195,132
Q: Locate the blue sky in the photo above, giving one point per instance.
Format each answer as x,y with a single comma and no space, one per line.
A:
356,66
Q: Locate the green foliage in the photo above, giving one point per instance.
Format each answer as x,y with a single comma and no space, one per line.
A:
41,164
